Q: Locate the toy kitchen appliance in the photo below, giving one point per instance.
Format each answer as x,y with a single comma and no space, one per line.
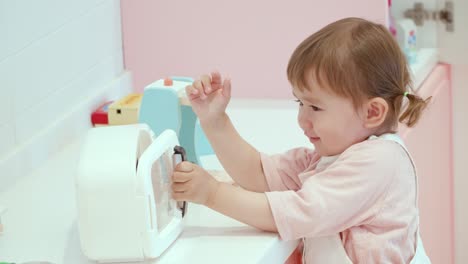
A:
165,106
125,209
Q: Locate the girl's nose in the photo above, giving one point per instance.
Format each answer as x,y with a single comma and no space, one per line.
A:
304,121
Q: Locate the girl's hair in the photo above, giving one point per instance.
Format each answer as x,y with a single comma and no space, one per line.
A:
358,59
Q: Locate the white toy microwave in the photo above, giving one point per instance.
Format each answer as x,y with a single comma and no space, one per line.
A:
123,184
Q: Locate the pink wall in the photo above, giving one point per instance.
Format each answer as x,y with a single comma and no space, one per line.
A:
250,41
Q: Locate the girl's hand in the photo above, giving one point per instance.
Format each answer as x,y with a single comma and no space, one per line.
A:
209,96
194,184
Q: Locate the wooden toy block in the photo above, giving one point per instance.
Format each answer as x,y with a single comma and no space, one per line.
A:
125,111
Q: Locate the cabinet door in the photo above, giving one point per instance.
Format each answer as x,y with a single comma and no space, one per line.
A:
451,46
430,144
452,43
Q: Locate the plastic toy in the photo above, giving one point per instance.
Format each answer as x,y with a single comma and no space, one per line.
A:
165,106
125,209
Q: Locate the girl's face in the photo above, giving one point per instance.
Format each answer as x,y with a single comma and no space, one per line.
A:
329,121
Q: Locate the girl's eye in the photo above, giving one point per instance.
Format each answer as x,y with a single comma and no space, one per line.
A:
298,101
315,108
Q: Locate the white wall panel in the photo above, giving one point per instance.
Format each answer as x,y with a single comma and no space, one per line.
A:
7,138
52,62
59,59
6,105
44,113
23,21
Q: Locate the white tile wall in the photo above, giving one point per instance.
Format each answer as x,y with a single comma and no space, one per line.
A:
58,61
7,134
6,104
24,22
33,118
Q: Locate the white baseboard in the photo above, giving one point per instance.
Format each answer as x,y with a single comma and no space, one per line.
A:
28,156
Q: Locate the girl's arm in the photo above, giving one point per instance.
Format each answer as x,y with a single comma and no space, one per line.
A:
240,160
194,184
250,208
209,97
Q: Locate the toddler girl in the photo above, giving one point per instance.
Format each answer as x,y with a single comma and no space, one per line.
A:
353,198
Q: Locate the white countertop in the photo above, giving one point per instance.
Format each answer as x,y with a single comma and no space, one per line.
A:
40,225
40,221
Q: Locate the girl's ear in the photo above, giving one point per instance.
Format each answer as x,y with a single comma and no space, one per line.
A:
376,112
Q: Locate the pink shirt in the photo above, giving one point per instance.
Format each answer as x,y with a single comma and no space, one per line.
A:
367,194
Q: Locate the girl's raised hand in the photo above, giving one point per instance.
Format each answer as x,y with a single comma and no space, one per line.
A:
209,96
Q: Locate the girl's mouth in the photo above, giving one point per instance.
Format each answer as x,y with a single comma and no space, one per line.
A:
314,139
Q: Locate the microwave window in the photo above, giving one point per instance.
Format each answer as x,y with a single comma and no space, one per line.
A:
161,173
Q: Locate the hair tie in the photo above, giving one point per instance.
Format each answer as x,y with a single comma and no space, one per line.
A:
405,94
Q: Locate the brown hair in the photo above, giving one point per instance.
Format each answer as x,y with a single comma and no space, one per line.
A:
358,59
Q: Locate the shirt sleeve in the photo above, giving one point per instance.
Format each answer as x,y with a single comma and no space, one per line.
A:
348,193
282,170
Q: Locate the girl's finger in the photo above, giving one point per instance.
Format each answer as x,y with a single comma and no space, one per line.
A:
216,78
178,196
191,92
206,82
227,88
185,166
179,187
199,87
181,177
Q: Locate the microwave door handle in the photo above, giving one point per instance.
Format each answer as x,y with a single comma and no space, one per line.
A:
180,152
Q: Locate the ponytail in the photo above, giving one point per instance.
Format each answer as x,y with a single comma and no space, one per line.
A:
413,110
